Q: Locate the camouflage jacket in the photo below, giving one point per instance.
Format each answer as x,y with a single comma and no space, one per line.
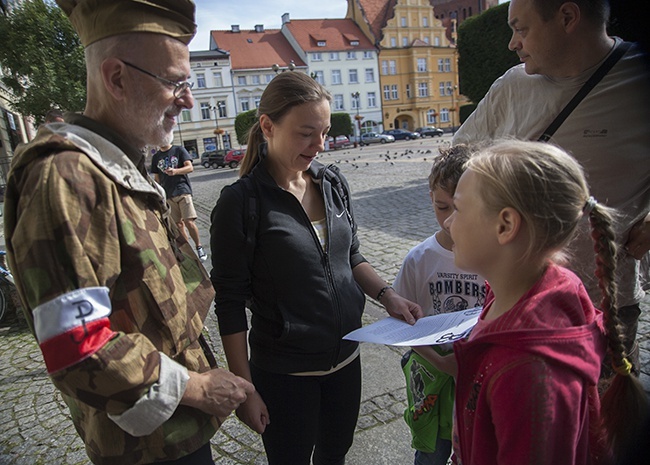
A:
80,217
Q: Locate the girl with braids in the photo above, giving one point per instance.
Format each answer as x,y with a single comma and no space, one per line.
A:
526,376
305,282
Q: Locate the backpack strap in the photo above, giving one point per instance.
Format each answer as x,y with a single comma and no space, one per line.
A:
251,218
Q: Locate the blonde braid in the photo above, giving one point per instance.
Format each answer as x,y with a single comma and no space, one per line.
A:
624,404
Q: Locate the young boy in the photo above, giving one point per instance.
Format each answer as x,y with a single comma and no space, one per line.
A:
429,277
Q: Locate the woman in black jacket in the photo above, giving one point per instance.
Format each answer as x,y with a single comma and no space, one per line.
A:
284,239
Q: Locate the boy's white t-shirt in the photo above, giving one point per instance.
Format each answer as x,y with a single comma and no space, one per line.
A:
430,278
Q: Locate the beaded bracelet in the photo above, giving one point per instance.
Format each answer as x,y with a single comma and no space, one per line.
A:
382,292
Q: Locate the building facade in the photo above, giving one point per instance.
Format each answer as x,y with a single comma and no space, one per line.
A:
417,62
341,58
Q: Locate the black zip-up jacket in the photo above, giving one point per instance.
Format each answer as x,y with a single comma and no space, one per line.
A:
304,299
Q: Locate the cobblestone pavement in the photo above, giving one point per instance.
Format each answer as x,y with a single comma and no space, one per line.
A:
392,207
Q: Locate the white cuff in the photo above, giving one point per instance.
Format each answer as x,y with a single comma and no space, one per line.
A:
158,404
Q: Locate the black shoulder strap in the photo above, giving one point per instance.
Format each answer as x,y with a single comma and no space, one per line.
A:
595,78
251,218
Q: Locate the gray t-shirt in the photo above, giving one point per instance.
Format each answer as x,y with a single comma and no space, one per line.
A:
607,133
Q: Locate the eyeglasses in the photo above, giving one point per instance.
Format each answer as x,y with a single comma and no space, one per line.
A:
180,88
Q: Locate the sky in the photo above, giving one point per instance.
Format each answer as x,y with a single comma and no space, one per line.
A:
212,15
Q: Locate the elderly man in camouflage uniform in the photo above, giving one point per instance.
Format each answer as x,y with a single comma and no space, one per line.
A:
114,297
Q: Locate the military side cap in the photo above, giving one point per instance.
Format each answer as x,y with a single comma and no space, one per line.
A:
97,19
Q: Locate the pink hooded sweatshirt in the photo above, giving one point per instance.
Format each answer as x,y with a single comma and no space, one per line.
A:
526,387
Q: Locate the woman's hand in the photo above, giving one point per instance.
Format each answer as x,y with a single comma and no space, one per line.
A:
401,308
254,413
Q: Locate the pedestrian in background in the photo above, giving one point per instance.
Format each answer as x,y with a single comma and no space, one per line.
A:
305,281
170,167
116,303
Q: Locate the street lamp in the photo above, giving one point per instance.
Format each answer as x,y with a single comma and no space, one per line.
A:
358,117
277,68
452,91
218,131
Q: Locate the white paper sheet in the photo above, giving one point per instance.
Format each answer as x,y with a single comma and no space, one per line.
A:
430,330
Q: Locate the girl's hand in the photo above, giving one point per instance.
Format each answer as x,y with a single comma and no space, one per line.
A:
401,308
254,413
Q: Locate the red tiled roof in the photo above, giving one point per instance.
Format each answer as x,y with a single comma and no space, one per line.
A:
337,33
252,50
377,13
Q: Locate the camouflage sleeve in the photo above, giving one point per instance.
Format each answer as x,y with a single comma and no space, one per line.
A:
65,250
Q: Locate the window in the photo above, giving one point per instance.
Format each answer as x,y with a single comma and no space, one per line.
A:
218,80
351,56
268,77
200,80
405,41
205,111
441,65
186,116
384,67
334,56
386,92
241,80
431,117
403,21
367,55
423,89
422,65
444,115
354,77
408,90
449,88
370,75
425,21
393,42
319,77
426,39
255,79
436,41
244,104
336,76
256,101
338,102
321,43
393,92
442,89
392,66
447,65
223,112
317,56
372,100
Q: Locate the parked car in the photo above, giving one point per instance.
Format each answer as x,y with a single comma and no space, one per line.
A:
374,138
213,158
234,157
338,142
402,134
430,131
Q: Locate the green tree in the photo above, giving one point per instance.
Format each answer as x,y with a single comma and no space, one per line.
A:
483,53
341,125
243,122
42,59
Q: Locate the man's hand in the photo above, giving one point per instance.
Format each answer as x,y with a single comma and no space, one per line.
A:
217,392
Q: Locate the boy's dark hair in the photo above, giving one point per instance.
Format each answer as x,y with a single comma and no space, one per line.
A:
448,167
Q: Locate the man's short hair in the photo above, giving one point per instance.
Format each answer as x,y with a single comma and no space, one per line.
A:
596,11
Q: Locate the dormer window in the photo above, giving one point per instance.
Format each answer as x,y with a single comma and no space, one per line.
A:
321,43
354,43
